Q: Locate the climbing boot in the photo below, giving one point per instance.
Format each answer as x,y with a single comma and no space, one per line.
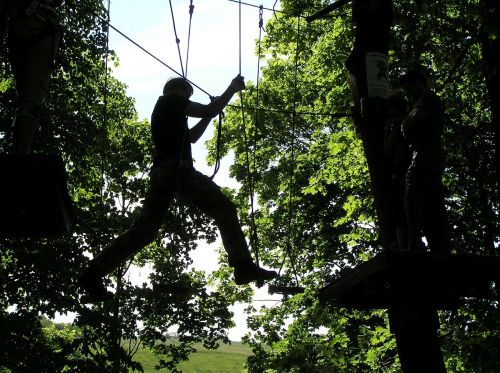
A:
248,271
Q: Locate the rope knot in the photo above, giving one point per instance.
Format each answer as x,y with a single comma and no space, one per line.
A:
261,19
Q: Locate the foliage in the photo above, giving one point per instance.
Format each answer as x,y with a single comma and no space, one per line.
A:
89,120
309,176
314,211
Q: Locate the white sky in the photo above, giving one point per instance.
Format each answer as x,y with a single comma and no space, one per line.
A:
213,63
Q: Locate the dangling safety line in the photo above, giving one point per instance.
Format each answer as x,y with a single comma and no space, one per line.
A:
252,175
257,96
177,40
289,249
191,9
253,228
255,237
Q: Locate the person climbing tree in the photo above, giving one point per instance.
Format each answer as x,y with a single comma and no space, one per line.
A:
173,172
33,34
398,153
424,198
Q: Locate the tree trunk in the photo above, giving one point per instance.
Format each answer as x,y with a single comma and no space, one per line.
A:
368,71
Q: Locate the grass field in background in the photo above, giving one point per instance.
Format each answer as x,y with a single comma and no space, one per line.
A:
226,359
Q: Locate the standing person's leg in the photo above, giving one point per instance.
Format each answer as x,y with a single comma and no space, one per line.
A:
398,210
416,184
204,193
143,231
436,228
32,48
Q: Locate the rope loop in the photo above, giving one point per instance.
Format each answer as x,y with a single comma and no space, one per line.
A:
219,144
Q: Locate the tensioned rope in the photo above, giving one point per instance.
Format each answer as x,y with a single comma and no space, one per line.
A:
177,40
251,191
152,55
191,9
289,247
257,96
105,103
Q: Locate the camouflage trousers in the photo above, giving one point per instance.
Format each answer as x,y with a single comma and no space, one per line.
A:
193,187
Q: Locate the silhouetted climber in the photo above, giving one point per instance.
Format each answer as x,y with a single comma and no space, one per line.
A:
33,33
424,199
173,172
397,150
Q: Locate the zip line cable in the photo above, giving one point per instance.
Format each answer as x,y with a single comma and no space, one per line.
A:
177,40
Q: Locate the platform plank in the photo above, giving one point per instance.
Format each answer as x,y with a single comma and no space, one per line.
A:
33,196
393,276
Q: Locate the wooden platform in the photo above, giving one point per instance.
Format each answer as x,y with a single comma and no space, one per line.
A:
33,196
395,276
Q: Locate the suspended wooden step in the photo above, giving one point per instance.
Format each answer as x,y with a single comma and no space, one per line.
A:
33,196
393,275
285,290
